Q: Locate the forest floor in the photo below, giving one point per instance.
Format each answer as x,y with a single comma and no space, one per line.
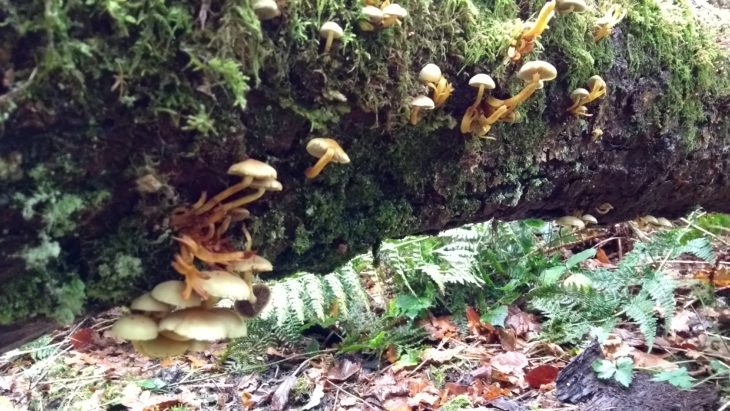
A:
463,362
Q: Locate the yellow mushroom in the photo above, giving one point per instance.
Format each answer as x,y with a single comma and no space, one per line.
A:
532,74
605,24
392,14
327,150
482,81
570,6
546,13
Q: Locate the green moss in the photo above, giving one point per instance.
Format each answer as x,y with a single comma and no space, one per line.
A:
302,242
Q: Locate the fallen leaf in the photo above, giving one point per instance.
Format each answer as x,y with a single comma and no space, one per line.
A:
247,400
484,372
281,395
507,339
416,385
439,328
541,375
438,356
423,398
456,389
315,398
511,362
652,361
391,354
473,320
84,339
343,370
348,401
526,325
494,391
397,404
602,257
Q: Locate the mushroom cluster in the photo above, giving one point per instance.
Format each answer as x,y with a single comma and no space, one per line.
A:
381,16
578,221
163,324
605,24
431,76
581,96
201,230
481,116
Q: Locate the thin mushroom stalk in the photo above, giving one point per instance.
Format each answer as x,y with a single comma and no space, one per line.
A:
317,168
244,200
224,195
546,13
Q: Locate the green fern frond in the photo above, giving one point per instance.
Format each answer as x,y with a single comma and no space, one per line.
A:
641,310
315,295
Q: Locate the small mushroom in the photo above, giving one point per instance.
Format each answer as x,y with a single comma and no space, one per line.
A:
247,170
373,18
135,327
605,24
266,9
649,220
570,221
531,73
430,74
261,186
330,31
589,219
578,96
597,86
161,347
482,81
204,325
570,6
420,103
392,13
170,292
327,150
223,284
546,13
663,222
149,304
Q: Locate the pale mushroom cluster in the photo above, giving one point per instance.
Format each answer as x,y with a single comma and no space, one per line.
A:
431,76
581,96
381,15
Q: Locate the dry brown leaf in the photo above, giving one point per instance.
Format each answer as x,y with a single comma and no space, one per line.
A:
343,370
602,257
526,325
438,356
281,395
391,354
484,372
397,404
423,398
507,339
539,376
416,385
456,389
439,328
494,391
512,363
646,360
247,400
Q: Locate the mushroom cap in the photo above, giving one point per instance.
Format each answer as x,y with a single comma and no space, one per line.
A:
226,285
173,336
249,310
161,347
170,292
252,168
570,221
544,70
331,28
577,6
423,102
269,184
579,93
146,302
373,14
204,325
430,73
589,219
395,10
482,79
661,221
596,81
135,327
255,263
266,9
649,219
318,146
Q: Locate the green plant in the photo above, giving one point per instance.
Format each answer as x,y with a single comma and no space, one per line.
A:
621,370
631,290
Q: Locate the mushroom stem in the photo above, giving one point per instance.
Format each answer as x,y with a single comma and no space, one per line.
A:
577,103
480,94
317,168
207,256
494,117
468,119
248,278
244,200
523,95
247,236
546,13
224,194
414,115
328,43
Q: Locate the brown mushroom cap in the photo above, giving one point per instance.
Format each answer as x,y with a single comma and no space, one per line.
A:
170,292
252,168
226,285
147,303
161,347
430,73
249,310
135,328
331,28
482,79
266,9
204,325
542,69
318,146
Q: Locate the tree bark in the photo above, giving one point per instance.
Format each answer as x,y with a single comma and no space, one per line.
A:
93,99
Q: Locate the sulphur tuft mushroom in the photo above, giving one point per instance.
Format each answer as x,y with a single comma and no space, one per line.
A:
417,104
204,325
372,18
392,13
532,74
148,304
171,292
248,170
589,219
570,6
605,24
135,327
570,221
330,31
223,284
581,96
482,82
328,151
266,9
161,347
531,32
431,75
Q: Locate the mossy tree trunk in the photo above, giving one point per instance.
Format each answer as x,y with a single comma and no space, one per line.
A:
96,94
